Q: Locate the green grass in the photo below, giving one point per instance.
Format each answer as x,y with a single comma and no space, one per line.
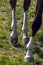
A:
6,61
10,55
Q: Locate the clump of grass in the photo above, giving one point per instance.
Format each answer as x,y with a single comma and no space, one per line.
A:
38,63
36,50
6,61
41,54
39,36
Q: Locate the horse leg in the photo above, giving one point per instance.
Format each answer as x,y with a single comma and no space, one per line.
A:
35,27
38,18
14,36
24,28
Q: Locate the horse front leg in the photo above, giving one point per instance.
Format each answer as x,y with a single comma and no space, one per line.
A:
14,36
24,28
35,27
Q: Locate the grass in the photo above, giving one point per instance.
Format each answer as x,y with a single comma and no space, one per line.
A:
10,55
6,61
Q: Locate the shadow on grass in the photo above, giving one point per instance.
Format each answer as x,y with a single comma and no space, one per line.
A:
18,46
38,51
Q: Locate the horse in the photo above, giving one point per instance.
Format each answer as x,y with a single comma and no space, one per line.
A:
35,26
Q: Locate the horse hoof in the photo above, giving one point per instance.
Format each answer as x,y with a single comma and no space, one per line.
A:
28,59
25,41
14,41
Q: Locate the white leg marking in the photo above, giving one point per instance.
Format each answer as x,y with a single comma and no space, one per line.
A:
14,24
29,54
30,43
24,28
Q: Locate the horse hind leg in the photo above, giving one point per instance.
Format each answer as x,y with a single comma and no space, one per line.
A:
13,36
24,27
35,27
37,20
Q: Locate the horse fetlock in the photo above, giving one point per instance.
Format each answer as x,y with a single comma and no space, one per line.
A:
25,40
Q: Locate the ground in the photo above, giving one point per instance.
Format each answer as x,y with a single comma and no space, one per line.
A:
10,55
